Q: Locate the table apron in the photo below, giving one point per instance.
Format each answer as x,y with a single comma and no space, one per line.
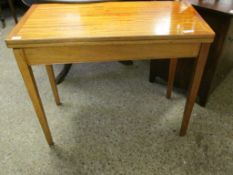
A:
109,52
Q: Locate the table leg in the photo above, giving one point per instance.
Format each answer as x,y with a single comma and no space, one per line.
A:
30,83
171,76
50,72
199,68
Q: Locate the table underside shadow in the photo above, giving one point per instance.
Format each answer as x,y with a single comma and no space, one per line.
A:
66,68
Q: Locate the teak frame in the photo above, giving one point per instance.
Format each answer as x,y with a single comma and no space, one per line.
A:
25,59
40,42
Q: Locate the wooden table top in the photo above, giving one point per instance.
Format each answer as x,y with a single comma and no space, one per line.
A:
109,21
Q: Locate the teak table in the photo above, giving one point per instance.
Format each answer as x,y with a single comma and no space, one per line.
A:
71,33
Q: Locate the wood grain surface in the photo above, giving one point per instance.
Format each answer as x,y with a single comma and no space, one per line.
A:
67,33
108,21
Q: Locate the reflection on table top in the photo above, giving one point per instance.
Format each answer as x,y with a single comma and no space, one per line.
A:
109,21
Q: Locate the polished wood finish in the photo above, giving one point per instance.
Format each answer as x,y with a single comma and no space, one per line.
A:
50,72
110,21
171,76
217,66
108,51
199,68
30,83
109,32
66,68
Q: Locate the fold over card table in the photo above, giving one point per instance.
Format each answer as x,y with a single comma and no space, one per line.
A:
72,33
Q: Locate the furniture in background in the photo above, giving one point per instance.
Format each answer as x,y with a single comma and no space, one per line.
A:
12,9
140,33
1,17
218,14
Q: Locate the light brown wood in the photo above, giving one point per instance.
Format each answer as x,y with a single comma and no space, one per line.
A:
50,72
110,21
199,68
171,76
30,83
110,52
104,43
108,32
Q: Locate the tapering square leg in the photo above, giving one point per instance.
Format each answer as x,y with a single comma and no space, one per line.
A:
50,72
195,83
30,83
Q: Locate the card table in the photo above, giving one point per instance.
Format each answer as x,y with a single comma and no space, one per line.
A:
111,31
